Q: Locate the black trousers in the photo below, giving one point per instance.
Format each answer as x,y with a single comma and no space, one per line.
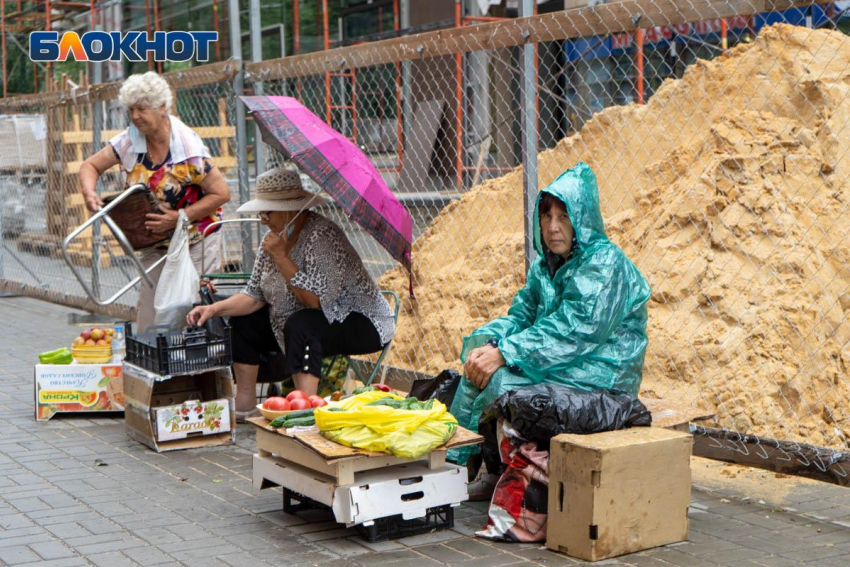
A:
308,337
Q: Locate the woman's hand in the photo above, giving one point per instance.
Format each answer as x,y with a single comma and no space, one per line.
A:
276,246
162,223
482,364
200,315
93,201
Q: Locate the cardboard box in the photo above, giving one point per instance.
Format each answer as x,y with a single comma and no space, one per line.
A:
62,388
190,419
148,394
618,492
408,490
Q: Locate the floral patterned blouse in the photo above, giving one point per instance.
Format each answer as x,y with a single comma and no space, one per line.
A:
177,180
330,268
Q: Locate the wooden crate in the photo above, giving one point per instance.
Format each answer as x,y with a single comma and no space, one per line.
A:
309,449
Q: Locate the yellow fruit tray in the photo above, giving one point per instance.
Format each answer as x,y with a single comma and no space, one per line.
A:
92,354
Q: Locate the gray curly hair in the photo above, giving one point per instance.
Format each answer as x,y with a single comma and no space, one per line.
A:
148,89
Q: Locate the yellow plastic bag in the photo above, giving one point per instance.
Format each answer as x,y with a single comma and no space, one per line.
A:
404,433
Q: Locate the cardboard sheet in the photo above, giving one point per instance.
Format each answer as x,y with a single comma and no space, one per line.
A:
670,415
331,451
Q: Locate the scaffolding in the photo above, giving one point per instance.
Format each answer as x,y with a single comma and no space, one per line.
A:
37,15
159,18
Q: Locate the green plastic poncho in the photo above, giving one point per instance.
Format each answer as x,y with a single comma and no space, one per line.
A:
582,326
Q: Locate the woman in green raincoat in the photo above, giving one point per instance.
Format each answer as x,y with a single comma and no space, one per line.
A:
579,321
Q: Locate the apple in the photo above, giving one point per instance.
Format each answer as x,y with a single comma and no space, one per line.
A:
79,341
101,342
86,335
96,334
108,339
109,332
90,342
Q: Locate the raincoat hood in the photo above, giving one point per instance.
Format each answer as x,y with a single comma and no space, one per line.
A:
576,188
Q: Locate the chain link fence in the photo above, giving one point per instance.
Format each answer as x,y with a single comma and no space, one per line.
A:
45,139
717,131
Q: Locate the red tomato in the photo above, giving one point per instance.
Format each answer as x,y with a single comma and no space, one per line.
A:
276,404
296,394
299,404
317,401
382,387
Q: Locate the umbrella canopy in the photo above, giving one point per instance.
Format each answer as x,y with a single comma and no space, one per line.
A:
338,166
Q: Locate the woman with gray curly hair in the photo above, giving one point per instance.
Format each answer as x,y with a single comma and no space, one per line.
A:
159,151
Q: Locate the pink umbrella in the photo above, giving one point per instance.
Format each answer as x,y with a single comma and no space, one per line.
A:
338,166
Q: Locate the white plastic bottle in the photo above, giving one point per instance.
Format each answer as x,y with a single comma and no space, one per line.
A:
119,345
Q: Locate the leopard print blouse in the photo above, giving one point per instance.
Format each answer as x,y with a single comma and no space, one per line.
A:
330,268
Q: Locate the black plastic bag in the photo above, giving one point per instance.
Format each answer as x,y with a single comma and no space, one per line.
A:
441,387
540,412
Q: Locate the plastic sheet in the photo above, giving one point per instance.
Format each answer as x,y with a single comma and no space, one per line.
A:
538,413
441,387
406,433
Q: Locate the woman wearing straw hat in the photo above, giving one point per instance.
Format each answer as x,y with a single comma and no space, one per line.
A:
309,295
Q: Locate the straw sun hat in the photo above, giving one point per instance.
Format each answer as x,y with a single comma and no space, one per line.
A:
280,189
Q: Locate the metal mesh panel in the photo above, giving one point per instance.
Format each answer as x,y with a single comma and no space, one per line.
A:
717,136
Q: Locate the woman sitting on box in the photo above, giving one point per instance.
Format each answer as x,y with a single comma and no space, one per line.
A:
161,152
580,320
309,295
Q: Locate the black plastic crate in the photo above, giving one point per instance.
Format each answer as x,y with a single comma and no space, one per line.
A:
395,527
382,529
168,352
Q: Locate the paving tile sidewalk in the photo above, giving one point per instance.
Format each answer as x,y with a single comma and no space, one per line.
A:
59,508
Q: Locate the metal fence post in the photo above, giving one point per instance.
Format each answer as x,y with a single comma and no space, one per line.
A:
241,136
528,125
256,56
97,143
406,85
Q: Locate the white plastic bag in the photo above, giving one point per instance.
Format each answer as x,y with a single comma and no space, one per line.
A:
178,288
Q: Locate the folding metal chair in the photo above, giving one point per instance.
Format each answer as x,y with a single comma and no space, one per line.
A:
102,214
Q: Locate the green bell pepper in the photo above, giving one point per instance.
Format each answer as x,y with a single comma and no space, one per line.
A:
58,356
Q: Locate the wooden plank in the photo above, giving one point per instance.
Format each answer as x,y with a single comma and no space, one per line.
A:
68,299
215,131
788,457
183,79
223,162
670,415
290,450
462,438
73,167
222,119
85,136
330,450
601,19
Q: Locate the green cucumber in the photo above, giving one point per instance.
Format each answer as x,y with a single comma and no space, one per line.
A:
299,413
302,421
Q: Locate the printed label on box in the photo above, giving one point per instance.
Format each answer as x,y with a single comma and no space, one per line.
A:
77,387
192,418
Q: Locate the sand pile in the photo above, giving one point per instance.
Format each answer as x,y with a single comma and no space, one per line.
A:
729,190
